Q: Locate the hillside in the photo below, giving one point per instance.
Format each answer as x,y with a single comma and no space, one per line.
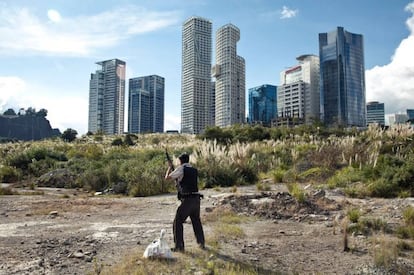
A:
26,127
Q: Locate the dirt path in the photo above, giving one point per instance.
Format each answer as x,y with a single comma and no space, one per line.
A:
68,232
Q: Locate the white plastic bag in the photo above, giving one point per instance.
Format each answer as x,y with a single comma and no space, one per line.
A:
158,248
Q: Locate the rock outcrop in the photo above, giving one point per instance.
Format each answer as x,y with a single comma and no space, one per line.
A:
26,127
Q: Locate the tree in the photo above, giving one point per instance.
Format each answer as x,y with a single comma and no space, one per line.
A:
31,111
69,135
9,112
42,113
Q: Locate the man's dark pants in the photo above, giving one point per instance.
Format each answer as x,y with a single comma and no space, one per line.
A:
189,207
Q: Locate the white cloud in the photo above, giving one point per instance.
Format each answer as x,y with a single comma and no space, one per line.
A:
24,32
63,111
393,83
54,16
10,90
172,122
287,13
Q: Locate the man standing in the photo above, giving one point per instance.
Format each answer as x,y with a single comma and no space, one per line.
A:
186,177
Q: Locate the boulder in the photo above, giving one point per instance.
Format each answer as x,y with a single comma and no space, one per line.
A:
60,178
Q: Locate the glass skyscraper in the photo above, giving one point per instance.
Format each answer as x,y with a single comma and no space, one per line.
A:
342,78
375,113
197,94
410,114
229,71
107,98
262,104
146,104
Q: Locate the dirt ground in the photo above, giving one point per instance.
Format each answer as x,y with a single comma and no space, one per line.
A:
69,232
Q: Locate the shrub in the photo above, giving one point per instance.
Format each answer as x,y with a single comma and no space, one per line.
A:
368,226
290,176
296,191
9,174
35,160
314,173
345,177
405,232
145,177
117,142
88,151
93,180
69,135
408,215
382,188
385,253
262,186
278,175
353,215
38,168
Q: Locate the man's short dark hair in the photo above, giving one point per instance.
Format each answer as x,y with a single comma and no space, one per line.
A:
184,158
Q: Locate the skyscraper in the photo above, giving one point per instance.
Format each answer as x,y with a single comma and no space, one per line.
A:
299,93
229,71
197,95
146,104
107,98
342,81
262,104
375,113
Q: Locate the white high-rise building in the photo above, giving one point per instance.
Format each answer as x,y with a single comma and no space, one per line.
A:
229,71
197,95
299,95
107,98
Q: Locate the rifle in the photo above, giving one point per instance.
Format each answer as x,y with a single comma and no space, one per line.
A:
170,163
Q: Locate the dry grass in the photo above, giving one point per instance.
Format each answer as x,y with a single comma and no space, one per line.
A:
385,252
190,262
225,224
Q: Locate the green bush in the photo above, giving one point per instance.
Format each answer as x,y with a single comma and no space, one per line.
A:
88,151
354,214
405,232
93,180
297,192
145,177
278,175
38,168
9,174
345,177
383,188
368,226
408,215
35,160
314,173
117,142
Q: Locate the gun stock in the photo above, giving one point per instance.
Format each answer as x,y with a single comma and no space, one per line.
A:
170,163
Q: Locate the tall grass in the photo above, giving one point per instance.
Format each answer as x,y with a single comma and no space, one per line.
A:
375,162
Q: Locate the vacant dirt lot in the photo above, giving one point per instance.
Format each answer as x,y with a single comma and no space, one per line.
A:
70,232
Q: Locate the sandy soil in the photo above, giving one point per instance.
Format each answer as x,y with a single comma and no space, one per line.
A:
68,231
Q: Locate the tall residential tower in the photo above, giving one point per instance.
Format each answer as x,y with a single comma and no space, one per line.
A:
107,98
146,104
298,94
342,81
229,71
197,94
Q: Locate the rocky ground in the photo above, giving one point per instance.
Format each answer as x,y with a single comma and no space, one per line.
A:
67,231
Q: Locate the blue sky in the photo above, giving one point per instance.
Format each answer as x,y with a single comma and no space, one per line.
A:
48,48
